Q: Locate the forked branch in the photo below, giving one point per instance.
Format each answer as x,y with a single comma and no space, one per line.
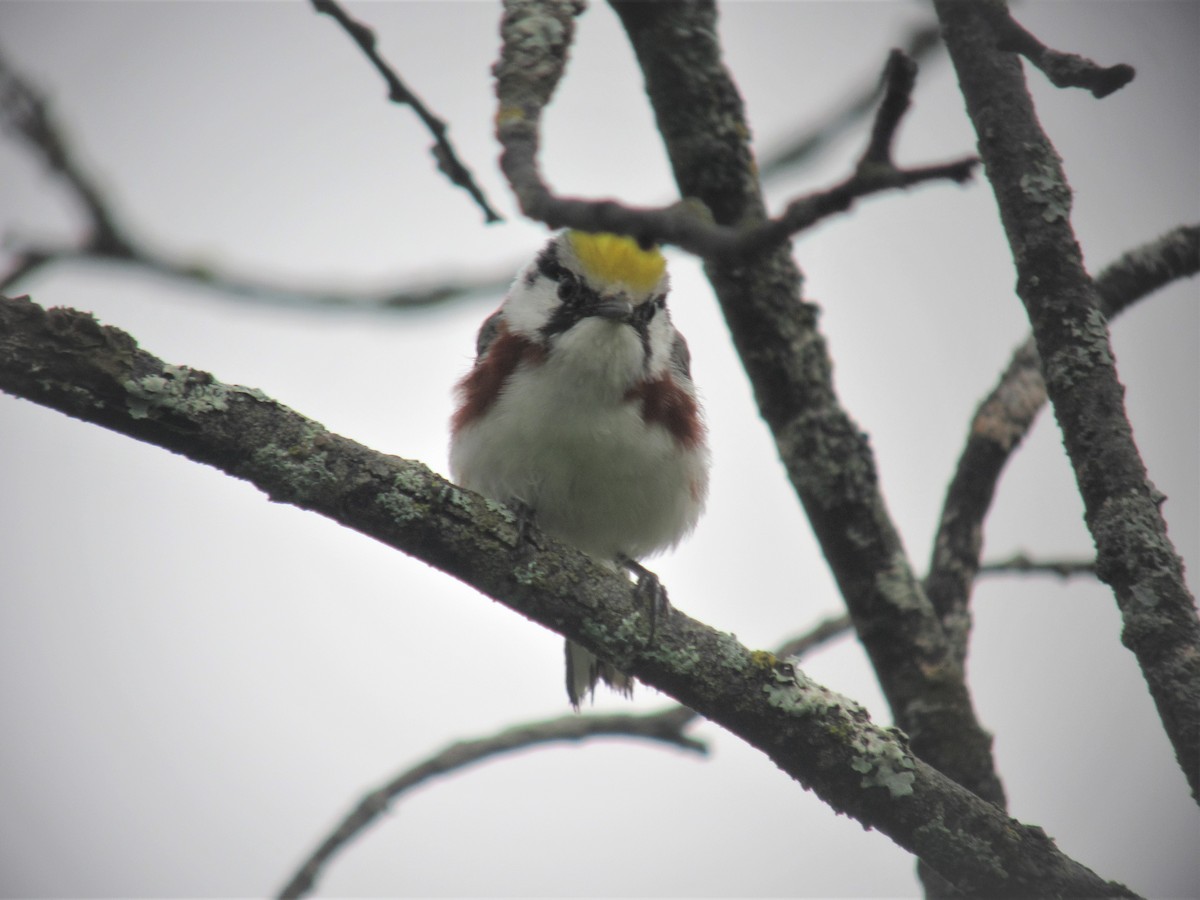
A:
1005,416
1134,553
536,37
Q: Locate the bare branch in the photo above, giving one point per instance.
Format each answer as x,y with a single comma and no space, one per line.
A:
536,36
665,726
819,634
232,285
443,152
899,77
660,727
1134,553
65,360
25,114
1063,69
827,457
1005,416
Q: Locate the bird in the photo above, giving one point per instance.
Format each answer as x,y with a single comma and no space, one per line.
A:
580,412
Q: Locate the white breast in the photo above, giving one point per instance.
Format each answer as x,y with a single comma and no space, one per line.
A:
563,439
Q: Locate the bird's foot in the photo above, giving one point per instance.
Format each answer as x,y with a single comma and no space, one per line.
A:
527,539
649,590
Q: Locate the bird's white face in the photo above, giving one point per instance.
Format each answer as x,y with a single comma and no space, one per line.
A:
598,300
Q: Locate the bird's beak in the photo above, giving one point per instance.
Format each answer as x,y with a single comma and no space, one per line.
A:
613,307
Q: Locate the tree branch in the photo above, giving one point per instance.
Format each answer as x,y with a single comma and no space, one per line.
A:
1133,551
666,726
65,360
920,42
826,455
536,36
1023,564
1063,69
660,727
448,162
24,113
1005,416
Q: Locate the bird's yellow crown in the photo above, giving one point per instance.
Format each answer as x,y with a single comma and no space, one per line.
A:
614,258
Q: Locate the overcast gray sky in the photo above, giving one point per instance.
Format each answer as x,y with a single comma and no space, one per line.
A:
196,683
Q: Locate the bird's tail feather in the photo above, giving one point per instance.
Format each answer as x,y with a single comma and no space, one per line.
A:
585,671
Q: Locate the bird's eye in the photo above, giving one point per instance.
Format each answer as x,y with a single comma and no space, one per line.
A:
643,313
568,288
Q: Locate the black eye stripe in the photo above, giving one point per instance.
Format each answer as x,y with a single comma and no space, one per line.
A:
575,299
549,266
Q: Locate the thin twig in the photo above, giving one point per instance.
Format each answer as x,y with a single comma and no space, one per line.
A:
443,152
820,634
25,114
1023,564
665,726
804,146
660,727
232,285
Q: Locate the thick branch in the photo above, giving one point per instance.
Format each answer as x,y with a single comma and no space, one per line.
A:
1005,416
1134,554
65,360
827,457
536,36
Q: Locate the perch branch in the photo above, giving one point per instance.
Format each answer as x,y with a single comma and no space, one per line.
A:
64,360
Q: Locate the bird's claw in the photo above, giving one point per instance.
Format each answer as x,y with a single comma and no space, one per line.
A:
527,541
650,591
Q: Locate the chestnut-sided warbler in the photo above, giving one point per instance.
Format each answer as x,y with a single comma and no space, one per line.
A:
580,410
